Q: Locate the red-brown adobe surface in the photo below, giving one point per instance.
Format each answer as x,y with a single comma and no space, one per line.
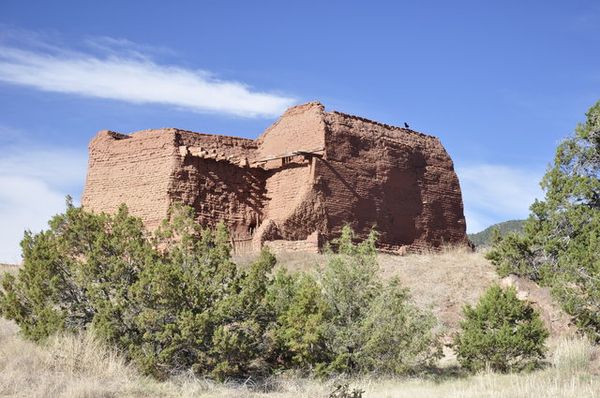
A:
294,187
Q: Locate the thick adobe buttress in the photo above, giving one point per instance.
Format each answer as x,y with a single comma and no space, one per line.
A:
293,188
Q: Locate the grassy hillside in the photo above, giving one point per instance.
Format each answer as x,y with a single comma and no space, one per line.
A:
442,281
484,237
80,366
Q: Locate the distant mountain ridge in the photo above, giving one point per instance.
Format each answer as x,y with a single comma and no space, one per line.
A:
484,238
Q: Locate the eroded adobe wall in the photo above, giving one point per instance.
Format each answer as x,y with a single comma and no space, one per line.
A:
400,181
294,208
300,128
135,169
361,172
221,191
215,178
285,188
293,204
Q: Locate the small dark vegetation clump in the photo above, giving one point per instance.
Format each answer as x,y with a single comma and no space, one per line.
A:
501,333
174,301
344,391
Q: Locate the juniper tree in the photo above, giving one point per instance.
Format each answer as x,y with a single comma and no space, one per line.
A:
560,246
500,333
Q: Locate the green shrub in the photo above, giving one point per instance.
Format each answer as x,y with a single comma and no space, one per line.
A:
398,336
560,246
372,325
517,254
348,320
350,284
76,272
302,313
173,300
500,333
193,308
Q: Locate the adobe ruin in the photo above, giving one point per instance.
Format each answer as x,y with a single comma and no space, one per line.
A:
293,188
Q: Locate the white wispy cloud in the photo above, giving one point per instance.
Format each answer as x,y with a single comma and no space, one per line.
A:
494,193
120,71
34,183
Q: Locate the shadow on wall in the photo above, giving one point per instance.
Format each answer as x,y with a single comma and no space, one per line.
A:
392,206
236,195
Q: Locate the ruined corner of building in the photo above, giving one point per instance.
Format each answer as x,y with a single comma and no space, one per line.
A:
291,189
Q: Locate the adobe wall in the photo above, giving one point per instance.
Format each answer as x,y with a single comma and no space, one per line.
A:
286,188
133,169
300,127
221,191
294,187
398,180
219,147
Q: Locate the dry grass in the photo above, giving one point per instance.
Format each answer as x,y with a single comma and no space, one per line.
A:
78,366
10,268
443,281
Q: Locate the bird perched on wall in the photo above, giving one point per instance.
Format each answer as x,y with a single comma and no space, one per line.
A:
406,125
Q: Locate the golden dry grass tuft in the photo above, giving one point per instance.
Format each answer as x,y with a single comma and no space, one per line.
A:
10,268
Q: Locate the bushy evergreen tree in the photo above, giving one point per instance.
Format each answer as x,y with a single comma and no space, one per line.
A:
350,284
560,246
77,272
174,300
372,325
302,313
501,333
397,336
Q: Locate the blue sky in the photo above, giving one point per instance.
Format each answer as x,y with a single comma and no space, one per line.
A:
500,82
